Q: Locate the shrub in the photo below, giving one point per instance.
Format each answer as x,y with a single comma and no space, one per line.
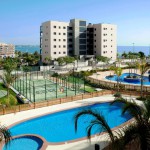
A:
117,94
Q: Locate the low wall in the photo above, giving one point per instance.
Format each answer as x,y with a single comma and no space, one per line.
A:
23,107
113,85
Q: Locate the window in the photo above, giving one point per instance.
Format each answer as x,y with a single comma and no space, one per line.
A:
82,23
111,28
104,52
82,35
54,26
82,29
64,27
70,46
95,29
94,40
59,27
59,46
54,39
54,52
64,52
54,46
111,40
59,33
70,40
46,27
64,33
70,34
70,28
46,39
82,41
59,52
95,51
64,39
111,45
59,39
95,46
111,51
54,33
64,46
82,53
111,34
83,47
94,34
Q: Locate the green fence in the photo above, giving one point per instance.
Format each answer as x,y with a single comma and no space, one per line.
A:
37,86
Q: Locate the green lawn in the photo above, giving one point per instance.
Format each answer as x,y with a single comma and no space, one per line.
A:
12,98
88,89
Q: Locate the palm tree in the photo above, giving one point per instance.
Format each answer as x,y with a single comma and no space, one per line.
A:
134,136
5,134
8,79
118,72
138,132
98,120
9,65
143,66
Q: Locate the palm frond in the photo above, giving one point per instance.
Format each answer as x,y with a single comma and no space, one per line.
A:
5,134
98,119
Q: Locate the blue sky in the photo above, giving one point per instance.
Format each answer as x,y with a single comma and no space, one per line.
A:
20,19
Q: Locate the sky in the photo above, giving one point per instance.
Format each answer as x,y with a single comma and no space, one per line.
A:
20,20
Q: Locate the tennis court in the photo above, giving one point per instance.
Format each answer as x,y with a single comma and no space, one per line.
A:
46,87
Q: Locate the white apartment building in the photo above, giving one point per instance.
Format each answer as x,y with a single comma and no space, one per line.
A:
75,38
7,50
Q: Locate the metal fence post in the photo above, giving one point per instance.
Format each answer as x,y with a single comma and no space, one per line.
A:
45,89
33,92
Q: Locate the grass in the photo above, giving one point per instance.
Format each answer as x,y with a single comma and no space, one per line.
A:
12,97
89,89
72,79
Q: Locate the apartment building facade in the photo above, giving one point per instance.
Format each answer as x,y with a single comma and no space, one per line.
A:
7,50
75,38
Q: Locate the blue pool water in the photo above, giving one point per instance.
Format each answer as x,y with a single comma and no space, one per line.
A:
114,78
59,127
24,143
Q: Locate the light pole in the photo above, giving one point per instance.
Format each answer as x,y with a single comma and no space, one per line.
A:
133,54
133,47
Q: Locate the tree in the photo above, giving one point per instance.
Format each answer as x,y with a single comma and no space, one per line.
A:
102,59
124,55
5,134
8,79
134,136
143,66
47,59
60,60
9,65
118,72
141,55
138,132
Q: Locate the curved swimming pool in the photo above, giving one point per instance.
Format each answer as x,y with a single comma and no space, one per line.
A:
59,127
124,80
24,143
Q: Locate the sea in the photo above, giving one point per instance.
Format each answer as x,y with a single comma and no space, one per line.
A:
120,49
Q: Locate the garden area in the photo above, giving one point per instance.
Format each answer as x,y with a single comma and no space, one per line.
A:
5,99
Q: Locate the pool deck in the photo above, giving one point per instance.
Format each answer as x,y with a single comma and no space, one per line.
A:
83,144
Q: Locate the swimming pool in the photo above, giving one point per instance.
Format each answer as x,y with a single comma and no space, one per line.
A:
24,143
59,127
123,80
